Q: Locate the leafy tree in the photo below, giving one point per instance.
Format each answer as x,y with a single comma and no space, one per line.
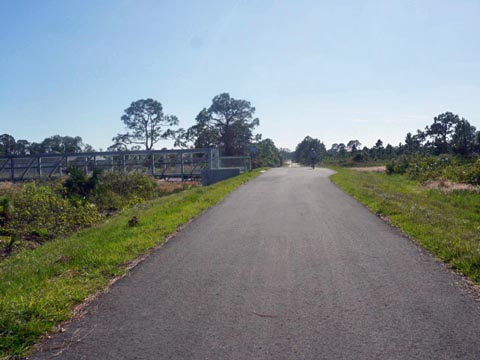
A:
203,134
145,123
228,123
378,150
267,154
7,144
333,150
62,144
22,147
477,142
463,139
353,145
88,148
412,144
286,154
117,147
440,132
79,183
342,150
36,148
389,151
302,151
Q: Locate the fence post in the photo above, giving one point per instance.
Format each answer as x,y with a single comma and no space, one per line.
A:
12,170
39,166
153,164
181,164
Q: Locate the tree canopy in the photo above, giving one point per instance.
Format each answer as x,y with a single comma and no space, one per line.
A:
51,145
266,154
228,124
146,125
302,151
440,132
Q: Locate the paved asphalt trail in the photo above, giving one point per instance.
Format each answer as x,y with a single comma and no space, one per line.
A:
286,267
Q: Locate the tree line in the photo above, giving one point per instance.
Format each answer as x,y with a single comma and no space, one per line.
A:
227,124
448,134
50,145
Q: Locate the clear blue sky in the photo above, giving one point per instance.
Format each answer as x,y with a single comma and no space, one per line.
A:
335,70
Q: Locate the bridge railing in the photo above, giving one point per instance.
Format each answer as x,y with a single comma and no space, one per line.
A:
244,163
159,163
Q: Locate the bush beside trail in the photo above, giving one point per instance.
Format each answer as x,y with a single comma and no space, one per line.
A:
434,168
35,212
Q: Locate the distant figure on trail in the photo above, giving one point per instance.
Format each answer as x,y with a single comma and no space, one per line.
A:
313,157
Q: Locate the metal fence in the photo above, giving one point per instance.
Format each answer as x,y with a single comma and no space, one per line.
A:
244,163
159,163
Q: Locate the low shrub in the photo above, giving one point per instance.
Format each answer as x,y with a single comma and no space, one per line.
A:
398,166
79,184
32,213
121,188
116,191
435,168
41,213
470,173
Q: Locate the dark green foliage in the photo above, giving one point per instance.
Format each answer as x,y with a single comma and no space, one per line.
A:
6,209
444,167
79,183
286,154
130,184
447,135
133,221
145,122
413,144
266,155
61,144
302,151
43,212
53,144
463,139
398,166
358,157
440,132
228,124
37,212
7,145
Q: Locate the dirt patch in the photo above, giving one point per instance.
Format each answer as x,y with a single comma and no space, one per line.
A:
7,187
449,186
369,169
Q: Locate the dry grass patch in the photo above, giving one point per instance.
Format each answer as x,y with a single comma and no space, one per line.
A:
370,169
449,186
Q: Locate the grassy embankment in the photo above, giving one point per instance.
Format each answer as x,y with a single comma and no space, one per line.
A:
445,223
39,288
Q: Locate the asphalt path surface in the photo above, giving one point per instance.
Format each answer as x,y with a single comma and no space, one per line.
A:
286,267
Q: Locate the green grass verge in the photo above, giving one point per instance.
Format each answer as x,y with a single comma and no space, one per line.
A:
447,224
39,288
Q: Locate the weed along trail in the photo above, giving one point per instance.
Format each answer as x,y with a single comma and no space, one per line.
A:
286,267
